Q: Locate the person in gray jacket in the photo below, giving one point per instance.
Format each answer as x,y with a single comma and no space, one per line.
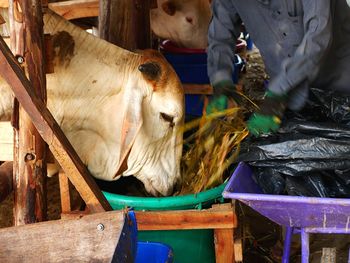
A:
304,43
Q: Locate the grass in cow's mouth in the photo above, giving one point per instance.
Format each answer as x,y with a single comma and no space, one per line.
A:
211,149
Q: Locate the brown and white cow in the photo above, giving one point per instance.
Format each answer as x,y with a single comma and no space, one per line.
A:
184,22
122,111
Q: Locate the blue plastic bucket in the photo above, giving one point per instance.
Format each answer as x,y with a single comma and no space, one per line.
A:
152,252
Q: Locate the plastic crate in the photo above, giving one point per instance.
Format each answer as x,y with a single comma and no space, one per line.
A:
191,67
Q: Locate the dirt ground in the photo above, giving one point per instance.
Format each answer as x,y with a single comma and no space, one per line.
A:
262,238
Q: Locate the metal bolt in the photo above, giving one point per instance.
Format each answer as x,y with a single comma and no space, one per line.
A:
29,157
20,59
100,227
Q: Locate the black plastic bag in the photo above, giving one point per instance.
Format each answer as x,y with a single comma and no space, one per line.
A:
310,154
270,181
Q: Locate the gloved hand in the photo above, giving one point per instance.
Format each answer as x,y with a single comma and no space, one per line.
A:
223,92
268,118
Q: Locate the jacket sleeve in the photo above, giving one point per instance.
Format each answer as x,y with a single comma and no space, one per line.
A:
302,67
224,29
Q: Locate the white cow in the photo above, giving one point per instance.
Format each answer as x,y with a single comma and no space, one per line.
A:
122,111
185,22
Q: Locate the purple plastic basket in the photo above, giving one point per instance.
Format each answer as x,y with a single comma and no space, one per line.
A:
307,214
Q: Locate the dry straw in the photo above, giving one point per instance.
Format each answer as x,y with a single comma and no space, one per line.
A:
211,149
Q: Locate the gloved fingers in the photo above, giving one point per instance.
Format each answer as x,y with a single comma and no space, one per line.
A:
216,104
260,124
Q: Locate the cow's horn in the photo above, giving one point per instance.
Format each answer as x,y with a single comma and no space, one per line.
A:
150,70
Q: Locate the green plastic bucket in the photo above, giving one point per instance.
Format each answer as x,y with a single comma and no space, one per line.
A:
189,246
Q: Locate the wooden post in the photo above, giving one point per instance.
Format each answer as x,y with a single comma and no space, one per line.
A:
126,23
30,150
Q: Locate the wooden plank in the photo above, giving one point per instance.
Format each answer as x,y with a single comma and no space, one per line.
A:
51,132
92,238
177,219
186,219
76,8
204,89
224,249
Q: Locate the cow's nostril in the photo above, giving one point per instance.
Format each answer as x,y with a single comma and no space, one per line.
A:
167,118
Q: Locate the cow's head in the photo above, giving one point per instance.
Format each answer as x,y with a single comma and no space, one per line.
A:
121,110
185,22
151,145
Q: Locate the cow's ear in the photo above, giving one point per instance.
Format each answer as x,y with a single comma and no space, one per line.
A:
151,70
169,7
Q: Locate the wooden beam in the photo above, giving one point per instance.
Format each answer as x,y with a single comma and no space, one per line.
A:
204,89
92,238
51,132
76,8
186,219
126,23
224,249
213,218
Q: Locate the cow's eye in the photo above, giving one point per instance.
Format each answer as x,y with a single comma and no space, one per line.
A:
167,118
189,20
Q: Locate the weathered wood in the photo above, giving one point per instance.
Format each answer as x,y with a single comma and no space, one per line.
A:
224,249
178,219
30,165
92,238
51,132
186,219
65,192
30,172
76,8
204,89
125,23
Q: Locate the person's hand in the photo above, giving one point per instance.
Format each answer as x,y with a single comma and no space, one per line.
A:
217,104
224,92
268,118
